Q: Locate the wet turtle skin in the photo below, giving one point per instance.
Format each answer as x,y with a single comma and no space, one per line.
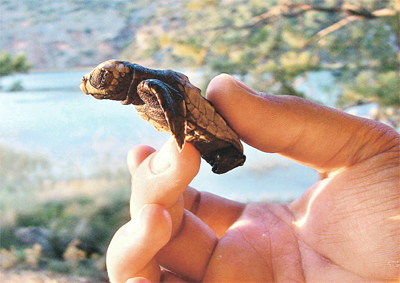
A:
168,101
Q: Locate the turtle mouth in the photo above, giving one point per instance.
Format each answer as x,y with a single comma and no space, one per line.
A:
100,95
82,86
88,89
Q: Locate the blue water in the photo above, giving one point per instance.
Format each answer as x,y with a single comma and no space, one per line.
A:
52,117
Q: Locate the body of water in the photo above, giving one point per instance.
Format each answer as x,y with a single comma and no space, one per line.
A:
52,117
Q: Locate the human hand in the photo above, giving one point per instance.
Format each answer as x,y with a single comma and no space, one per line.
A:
345,228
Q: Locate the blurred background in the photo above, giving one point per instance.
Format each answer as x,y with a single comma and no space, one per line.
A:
64,184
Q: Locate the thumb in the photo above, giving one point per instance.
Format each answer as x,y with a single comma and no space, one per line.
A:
164,175
133,247
162,178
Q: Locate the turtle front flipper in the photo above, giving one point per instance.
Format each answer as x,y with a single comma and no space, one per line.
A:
164,108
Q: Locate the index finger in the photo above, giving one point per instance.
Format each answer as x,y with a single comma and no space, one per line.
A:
320,137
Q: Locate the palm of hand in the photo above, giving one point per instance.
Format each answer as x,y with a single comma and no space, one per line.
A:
329,234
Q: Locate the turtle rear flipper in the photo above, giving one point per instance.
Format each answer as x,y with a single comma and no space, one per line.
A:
165,106
224,159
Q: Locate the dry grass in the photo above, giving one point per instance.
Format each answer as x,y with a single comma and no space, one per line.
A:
75,211
29,276
77,187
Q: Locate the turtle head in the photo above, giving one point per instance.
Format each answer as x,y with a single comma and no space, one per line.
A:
109,80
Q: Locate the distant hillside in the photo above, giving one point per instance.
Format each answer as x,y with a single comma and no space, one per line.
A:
71,33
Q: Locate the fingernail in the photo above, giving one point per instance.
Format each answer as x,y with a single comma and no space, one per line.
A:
135,222
162,159
138,216
241,85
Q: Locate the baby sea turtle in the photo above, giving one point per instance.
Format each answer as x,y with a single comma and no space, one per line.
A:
168,101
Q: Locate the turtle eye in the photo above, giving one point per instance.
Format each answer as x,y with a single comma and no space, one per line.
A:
98,78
